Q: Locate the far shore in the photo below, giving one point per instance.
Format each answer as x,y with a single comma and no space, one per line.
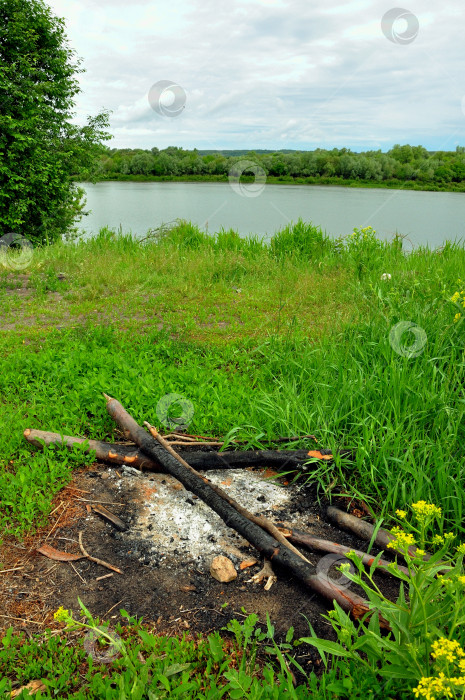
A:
458,187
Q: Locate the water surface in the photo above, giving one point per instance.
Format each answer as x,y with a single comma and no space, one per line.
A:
425,217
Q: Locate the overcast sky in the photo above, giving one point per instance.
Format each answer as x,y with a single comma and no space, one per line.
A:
273,73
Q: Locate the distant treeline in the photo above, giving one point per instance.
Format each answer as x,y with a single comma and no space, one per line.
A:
401,164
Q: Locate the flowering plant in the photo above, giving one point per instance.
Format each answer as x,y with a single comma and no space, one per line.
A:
362,246
458,299
423,649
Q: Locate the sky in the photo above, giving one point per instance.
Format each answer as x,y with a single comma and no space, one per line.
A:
271,74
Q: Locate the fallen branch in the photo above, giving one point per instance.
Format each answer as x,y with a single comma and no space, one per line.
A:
132,456
105,452
257,519
252,532
94,559
318,544
365,531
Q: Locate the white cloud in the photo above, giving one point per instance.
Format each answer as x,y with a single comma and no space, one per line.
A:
271,73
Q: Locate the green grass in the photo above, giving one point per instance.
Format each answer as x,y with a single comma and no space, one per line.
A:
290,337
303,347
144,665
244,663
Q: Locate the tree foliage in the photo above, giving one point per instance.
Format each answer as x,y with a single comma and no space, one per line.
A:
412,164
41,150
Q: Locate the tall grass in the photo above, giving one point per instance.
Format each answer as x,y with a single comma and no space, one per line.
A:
280,338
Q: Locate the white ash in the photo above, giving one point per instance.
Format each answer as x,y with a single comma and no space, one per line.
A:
169,522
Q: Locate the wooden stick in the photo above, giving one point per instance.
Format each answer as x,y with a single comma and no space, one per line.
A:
77,572
100,578
94,559
181,443
320,545
111,517
365,531
253,533
6,571
22,619
131,455
113,454
257,519
58,520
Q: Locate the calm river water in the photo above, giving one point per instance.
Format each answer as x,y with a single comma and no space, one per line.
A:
425,217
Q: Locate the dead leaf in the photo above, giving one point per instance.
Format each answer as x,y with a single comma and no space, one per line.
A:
319,455
56,555
187,588
246,563
32,687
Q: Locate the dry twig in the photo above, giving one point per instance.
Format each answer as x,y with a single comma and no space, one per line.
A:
94,559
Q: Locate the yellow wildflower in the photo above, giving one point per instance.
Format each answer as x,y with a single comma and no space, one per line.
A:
449,535
431,688
438,539
457,318
461,548
457,681
344,568
61,614
461,579
402,540
425,510
455,297
449,649
420,552
401,514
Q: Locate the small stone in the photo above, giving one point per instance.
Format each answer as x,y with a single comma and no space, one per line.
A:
222,569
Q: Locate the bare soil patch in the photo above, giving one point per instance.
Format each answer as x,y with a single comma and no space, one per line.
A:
164,554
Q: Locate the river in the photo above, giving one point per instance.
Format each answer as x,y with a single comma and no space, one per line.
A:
423,217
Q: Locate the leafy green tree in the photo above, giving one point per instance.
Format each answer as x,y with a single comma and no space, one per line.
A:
42,152
142,164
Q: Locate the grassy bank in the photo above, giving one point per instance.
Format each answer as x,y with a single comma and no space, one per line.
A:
267,340
289,180
298,335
